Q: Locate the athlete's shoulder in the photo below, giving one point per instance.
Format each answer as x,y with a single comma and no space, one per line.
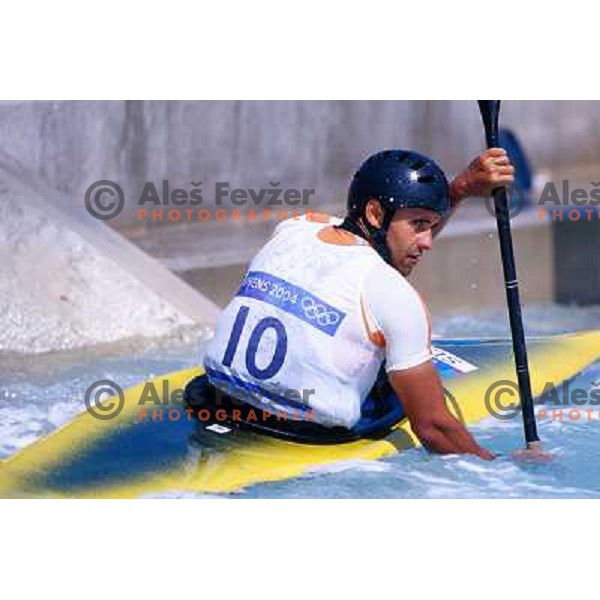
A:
310,219
391,297
396,317
381,275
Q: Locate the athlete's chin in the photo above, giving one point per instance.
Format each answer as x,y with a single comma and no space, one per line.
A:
405,269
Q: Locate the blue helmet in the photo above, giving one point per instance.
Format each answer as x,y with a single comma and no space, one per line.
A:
399,179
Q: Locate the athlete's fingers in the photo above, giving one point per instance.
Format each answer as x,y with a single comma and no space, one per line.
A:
497,160
495,152
501,160
509,170
504,175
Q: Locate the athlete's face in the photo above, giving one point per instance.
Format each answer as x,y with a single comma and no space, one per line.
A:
409,235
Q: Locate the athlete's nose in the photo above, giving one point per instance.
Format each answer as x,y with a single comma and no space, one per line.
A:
425,240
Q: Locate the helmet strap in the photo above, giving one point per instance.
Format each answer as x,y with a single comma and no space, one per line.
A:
376,236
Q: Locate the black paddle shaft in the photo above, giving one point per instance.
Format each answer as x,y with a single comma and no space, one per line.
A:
490,110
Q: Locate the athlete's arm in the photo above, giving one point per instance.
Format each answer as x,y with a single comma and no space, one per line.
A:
490,170
396,315
425,405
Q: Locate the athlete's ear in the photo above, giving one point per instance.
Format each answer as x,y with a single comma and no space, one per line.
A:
374,213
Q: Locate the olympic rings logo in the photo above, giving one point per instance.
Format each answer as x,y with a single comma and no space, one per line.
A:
319,312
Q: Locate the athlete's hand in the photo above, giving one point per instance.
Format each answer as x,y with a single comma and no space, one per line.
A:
490,170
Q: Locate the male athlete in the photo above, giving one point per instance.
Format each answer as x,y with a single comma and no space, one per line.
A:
326,308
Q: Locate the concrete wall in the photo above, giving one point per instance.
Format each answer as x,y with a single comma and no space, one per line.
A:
463,272
302,144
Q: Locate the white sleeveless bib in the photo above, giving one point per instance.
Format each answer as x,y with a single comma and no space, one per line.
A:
296,324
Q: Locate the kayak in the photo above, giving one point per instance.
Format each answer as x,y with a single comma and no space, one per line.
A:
152,449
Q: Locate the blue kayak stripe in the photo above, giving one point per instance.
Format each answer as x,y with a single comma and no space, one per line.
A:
292,299
123,454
